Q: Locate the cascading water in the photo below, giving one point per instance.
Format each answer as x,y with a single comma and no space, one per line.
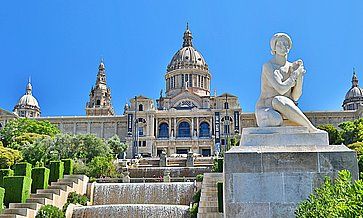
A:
159,200
177,193
132,210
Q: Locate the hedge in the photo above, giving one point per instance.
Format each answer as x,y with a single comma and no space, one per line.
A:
56,171
40,177
68,166
220,196
23,169
2,193
3,173
17,189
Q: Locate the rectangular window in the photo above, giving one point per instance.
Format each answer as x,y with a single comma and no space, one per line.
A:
141,131
202,82
182,79
143,143
190,80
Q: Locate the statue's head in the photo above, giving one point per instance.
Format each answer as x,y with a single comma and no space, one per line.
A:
280,43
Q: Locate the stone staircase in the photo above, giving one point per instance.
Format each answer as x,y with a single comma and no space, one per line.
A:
208,204
56,194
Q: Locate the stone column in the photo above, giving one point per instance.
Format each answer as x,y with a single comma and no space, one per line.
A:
157,128
169,129
197,128
175,133
102,129
147,125
192,127
74,128
211,127
89,127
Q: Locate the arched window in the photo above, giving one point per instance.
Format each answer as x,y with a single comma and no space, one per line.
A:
184,129
98,102
163,130
204,129
141,107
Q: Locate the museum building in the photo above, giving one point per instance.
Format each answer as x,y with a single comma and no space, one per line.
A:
187,117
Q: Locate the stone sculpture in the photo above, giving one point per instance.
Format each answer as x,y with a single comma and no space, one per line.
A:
281,87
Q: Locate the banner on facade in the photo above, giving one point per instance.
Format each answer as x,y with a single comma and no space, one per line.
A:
217,125
236,121
129,124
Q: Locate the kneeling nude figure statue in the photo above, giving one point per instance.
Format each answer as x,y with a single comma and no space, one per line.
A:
281,87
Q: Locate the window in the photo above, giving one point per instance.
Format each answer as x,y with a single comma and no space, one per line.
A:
190,80
206,152
141,131
204,129
182,151
163,130
226,128
226,106
184,129
98,102
141,107
182,79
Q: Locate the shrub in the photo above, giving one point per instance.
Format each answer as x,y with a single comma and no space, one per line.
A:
194,210
101,167
196,196
8,157
80,168
218,165
220,196
50,211
56,171
68,166
341,198
40,177
199,178
3,173
17,189
2,193
23,169
75,198
358,147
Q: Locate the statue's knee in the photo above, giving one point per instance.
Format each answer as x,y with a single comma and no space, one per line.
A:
277,102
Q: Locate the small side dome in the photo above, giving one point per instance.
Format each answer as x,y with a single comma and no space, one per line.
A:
27,105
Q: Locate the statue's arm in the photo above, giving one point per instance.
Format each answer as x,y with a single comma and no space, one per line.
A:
274,78
297,90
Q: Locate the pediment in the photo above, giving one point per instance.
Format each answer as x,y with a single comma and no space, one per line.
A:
186,100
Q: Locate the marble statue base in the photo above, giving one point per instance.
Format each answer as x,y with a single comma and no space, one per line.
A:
272,177
282,136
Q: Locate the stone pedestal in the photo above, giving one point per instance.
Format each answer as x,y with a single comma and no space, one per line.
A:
269,181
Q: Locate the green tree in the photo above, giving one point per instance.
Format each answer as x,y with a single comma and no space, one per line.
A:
341,198
116,145
101,167
352,131
8,157
358,147
16,128
335,136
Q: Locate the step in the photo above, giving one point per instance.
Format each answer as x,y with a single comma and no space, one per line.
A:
50,190
43,195
73,180
11,216
207,209
209,198
42,201
33,206
21,211
70,184
81,177
208,204
64,187
210,215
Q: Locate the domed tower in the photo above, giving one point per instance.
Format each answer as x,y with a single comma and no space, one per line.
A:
354,96
100,96
27,105
187,70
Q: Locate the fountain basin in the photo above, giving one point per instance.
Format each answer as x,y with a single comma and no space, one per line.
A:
132,210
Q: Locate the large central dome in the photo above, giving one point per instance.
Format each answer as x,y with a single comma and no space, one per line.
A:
187,56
187,70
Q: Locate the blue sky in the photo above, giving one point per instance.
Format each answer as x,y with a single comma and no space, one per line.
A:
59,44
